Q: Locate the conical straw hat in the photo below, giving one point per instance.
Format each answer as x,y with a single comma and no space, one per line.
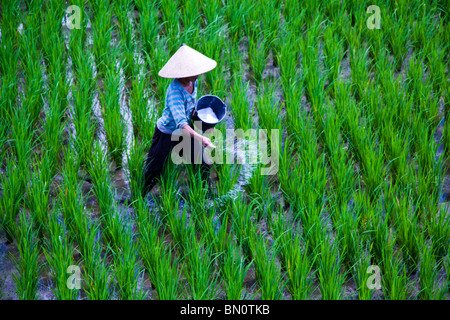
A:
186,62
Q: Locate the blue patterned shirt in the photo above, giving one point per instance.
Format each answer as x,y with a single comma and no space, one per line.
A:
179,106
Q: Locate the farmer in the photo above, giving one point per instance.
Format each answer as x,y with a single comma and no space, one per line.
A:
184,67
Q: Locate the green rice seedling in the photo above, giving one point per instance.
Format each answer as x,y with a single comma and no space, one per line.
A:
286,175
438,228
53,13
98,171
242,116
156,62
396,285
198,188
333,53
360,69
144,116
446,262
190,13
53,131
362,261
127,265
313,9
227,175
77,40
235,13
149,24
377,226
208,224
181,228
429,167
12,195
38,194
271,25
429,275
424,28
169,186
69,189
408,232
251,22
3,137
28,266
397,36
353,32
334,10
156,255
287,57
329,272
112,118
263,206
436,64
415,75
22,139
215,230
259,187
241,217
148,228
267,271
171,16
136,162
292,101
98,279
233,270
166,276
373,165
235,58
290,10
395,281
341,165
299,266
446,138
101,34
258,53
212,9
268,106
114,224
213,43
397,149
309,44
203,281
125,29
84,122
346,225
33,89
59,254
10,16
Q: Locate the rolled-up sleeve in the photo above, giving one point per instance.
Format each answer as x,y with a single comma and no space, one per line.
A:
176,106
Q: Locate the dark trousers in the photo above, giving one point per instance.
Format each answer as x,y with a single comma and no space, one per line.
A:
159,154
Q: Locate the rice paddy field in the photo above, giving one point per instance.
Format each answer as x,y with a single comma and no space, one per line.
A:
358,205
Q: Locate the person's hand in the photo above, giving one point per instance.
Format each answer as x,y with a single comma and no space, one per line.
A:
206,142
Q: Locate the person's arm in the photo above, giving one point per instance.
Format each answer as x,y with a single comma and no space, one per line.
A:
206,142
176,105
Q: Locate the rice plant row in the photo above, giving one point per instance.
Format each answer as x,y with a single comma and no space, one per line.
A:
361,165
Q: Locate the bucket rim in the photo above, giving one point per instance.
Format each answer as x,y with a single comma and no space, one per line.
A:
211,95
